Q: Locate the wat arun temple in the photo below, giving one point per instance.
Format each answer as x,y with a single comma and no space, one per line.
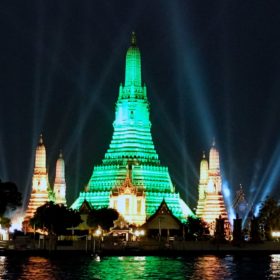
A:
131,178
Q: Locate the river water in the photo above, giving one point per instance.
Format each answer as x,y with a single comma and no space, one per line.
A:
192,267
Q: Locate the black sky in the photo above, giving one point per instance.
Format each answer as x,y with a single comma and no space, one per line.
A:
212,69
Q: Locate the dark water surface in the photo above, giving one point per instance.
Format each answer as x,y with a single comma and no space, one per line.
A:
193,267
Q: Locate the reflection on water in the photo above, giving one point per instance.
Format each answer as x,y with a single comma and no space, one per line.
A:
138,268
275,266
212,267
38,268
2,266
41,267
208,267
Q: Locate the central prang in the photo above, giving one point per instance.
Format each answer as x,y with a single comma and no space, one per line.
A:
132,146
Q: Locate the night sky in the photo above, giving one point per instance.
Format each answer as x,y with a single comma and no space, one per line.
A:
212,69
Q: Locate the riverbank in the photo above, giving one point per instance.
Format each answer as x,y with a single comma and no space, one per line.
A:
190,247
142,248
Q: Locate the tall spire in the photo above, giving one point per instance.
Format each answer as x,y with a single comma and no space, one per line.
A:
39,193
132,137
211,203
215,180
214,158
202,187
133,64
132,145
203,170
59,182
60,170
40,157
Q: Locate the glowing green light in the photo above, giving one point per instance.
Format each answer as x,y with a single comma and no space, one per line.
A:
132,145
133,65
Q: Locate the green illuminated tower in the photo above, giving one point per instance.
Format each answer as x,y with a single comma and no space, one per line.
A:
131,152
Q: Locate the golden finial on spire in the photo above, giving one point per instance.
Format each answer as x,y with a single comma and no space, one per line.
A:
203,155
41,139
133,39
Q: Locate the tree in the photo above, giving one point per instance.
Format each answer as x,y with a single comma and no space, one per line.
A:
269,216
196,228
103,217
55,218
255,235
10,197
237,231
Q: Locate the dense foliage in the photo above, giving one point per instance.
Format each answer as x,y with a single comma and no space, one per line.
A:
103,217
10,197
269,217
55,218
196,228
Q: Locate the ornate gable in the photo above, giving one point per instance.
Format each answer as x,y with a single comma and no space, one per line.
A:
85,207
127,187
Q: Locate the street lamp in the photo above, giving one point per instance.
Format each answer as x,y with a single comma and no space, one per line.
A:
139,233
97,233
275,234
